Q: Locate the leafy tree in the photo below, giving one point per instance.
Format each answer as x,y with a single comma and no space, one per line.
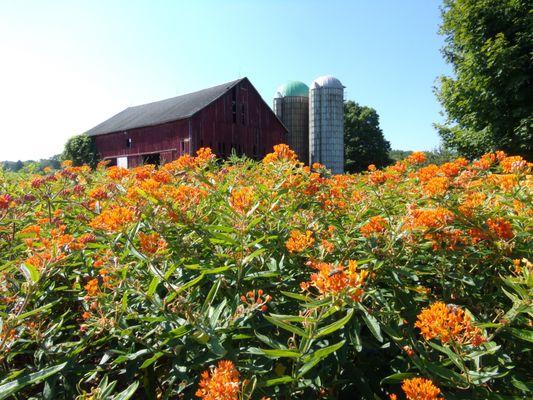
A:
364,143
81,150
489,101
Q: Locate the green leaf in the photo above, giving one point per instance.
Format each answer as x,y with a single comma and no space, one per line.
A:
277,381
151,360
126,394
153,286
189,284
524,334
296,296
372,324
335,325
284,325
13,387
318,356
30,273
397,378
280,353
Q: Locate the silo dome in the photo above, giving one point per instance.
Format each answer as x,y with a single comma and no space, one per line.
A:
292,88
327,81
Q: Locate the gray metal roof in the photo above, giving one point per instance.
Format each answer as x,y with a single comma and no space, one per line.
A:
162,111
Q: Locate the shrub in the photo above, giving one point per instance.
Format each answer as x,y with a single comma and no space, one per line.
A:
270,279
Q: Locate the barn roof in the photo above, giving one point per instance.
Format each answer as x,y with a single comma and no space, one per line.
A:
162,111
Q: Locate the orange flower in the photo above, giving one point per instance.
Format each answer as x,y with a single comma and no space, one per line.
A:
281,152
376,224
447,323
429,218
152,243
514,164
299,241
331,280
501,228
416,157
5,201
241,199
203,156
92,287
113,219
220,383
117,173
436,186
420,389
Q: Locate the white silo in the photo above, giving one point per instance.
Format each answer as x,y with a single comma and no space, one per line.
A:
326,123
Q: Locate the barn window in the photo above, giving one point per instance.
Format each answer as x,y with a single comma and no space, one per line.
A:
128,143
182,146
243,114
154,159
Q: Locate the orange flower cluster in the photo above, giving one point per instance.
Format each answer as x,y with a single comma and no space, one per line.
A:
113,219
420,389
91,287
416,157
281,152
434,218
5,200
436,186
448,323
375,225
152,243
256,301
186,196
117,173
501,228
336,280
241,199
299,241
514,164
221,383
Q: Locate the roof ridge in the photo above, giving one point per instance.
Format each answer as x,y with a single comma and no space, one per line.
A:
163,111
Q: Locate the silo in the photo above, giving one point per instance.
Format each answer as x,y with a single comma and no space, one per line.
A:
326,123
291,105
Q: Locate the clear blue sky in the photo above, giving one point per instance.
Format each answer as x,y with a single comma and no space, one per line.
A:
68,65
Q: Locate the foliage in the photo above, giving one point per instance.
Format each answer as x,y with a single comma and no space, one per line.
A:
44,163
438,156
364,143
489,102
256,280
80,150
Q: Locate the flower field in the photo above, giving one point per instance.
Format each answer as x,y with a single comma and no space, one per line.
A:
205,279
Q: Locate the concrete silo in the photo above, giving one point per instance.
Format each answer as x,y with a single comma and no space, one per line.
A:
291,105
326,123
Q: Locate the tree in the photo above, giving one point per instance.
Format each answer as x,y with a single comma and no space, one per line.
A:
364,143
81,150
489,102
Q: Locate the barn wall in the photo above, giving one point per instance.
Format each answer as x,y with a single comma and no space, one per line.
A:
152,139
253,131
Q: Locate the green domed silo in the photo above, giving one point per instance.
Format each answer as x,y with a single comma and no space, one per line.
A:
291,105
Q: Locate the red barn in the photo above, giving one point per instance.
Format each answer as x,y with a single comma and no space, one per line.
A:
227,117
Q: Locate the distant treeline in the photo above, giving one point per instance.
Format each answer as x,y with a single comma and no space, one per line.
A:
53,162
436,156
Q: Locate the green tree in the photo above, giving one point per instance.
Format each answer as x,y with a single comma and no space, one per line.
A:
81,150
489,101
364,143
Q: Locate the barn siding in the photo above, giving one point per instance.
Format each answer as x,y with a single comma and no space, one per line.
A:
213,126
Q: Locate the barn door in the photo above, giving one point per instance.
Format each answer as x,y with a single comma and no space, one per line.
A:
185,147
